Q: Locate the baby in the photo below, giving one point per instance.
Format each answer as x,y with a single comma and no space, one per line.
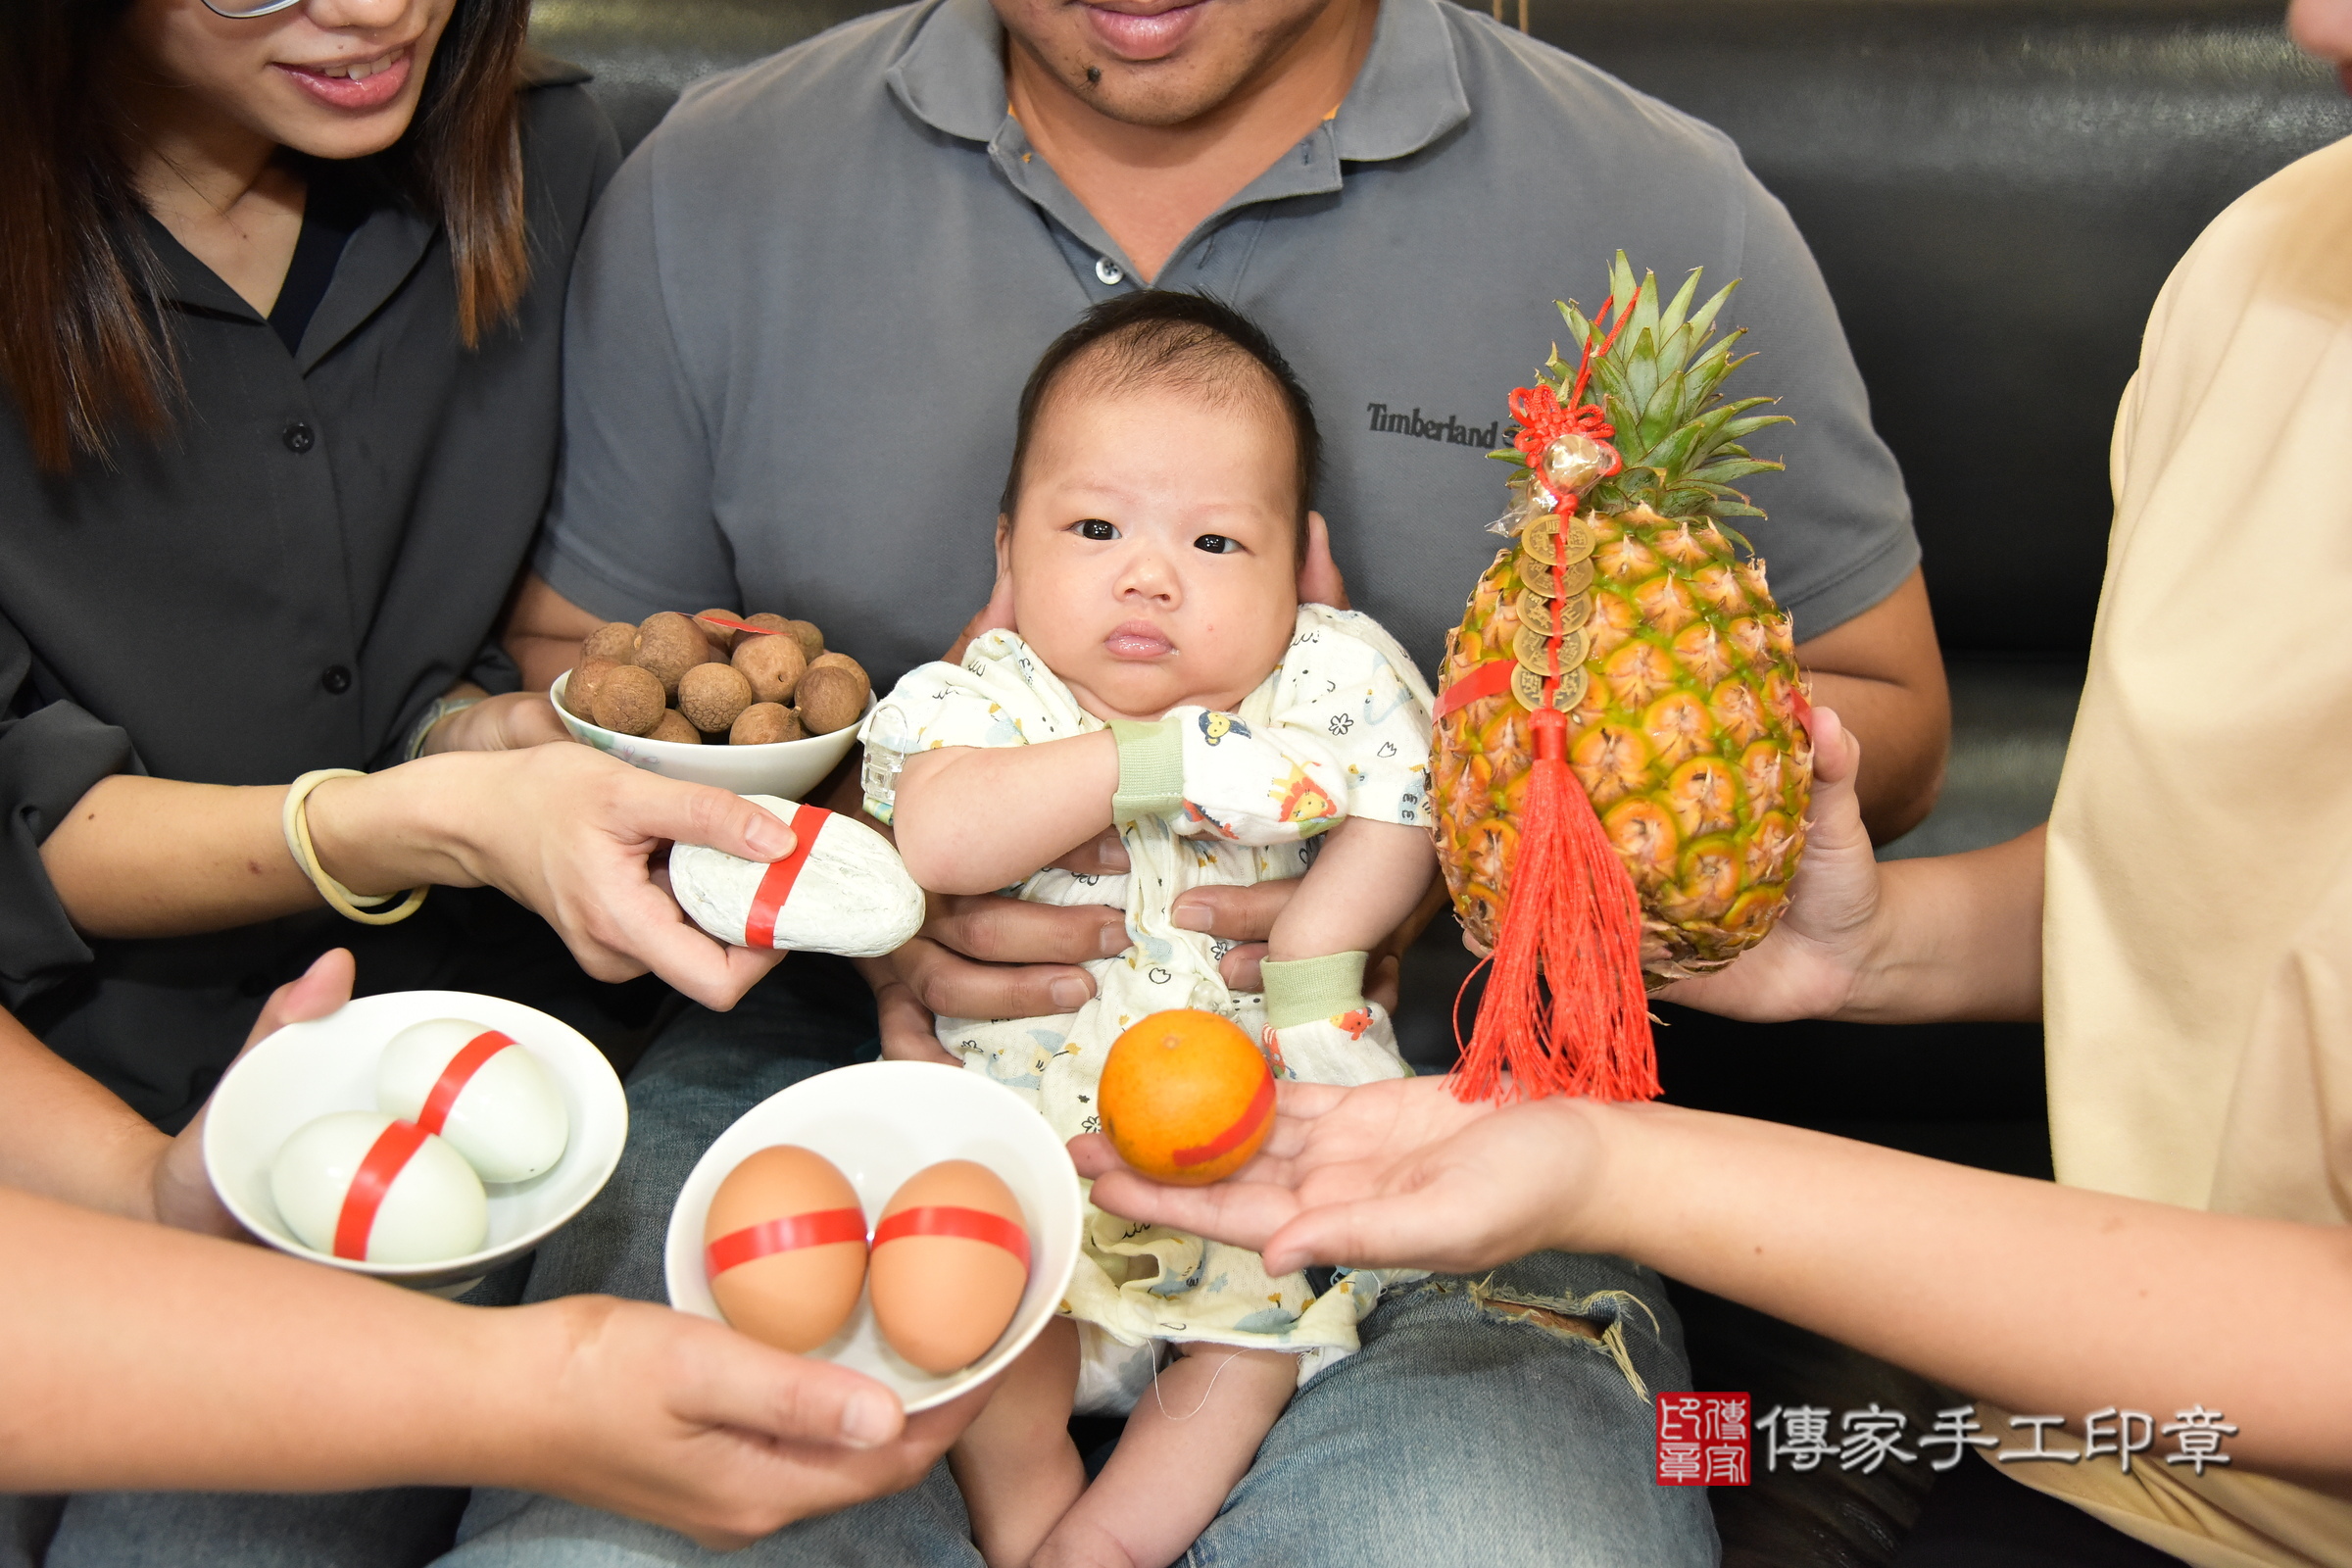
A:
1163,679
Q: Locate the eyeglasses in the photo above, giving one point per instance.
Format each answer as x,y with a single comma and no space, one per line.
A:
236,12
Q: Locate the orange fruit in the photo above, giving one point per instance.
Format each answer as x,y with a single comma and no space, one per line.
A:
1185,1097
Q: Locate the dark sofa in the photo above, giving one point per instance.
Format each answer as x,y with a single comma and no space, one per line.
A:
1995,189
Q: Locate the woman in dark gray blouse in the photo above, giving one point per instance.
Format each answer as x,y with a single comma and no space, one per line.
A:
281,415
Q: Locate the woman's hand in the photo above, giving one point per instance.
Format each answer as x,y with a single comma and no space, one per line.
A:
183,1193
567,832
1814,962
1397,1174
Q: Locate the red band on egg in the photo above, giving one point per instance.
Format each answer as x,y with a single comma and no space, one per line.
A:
759,926
386,1159
457,1075
1261,1105
948,1219
819,1228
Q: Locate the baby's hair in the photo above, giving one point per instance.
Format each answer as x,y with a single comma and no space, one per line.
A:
1162,337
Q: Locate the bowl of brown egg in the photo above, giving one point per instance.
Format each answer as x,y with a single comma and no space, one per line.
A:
752,704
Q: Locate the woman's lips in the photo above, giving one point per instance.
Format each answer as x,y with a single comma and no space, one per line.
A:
1136,639
1144,36
369,84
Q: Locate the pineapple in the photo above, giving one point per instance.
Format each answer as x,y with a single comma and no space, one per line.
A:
1683,698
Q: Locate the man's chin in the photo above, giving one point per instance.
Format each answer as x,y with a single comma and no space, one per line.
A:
1158,94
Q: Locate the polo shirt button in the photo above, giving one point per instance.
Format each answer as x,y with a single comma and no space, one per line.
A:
337,680
299,437
1108,272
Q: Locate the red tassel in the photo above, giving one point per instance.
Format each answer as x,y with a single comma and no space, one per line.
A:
1566,1011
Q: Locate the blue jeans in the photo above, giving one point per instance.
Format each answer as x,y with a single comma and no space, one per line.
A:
1466,1428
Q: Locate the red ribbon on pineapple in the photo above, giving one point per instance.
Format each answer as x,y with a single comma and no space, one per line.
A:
1565,1010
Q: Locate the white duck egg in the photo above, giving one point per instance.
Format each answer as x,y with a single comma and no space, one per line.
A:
434,1208
506,1117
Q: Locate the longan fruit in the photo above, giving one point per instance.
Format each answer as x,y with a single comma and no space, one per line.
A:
812,641
769,621
830,699
579,691
615,640
842,662
674,728
670,645
630,701
765,724
713,696
772,665
719,637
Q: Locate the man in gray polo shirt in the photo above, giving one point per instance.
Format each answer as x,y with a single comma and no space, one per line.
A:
800,323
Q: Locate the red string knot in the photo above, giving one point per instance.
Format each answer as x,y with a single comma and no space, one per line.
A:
1550,732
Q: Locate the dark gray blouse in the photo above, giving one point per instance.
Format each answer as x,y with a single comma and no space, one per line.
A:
316,551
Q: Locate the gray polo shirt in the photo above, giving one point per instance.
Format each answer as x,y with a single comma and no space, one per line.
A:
804,308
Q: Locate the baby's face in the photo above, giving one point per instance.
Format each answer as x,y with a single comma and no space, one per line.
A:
1154,559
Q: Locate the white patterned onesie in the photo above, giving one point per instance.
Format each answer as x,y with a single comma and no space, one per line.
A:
1340,727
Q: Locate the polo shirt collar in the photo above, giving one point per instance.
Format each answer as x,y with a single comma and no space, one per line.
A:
951,76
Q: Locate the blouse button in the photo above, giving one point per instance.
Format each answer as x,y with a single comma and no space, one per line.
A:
337,680
1108,272
299,437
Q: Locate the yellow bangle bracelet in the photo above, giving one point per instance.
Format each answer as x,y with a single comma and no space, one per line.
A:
295,819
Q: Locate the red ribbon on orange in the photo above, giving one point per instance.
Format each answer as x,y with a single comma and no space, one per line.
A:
817,1228
1253,1117
953,1219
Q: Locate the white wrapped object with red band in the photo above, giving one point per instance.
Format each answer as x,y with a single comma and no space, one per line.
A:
843,889
474,1086
375,1189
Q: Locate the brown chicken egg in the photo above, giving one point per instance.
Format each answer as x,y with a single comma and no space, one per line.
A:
951,1260
785,1247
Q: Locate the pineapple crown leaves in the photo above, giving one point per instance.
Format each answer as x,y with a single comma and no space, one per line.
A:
1659,385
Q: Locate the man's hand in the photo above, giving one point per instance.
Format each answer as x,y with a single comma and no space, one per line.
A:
1393,1174
183,1193
503,723
669,1417
985,955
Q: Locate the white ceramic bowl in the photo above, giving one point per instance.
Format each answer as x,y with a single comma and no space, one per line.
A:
305,1071
880,1122
790,768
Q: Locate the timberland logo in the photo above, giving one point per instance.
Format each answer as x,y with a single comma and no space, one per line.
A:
1450,431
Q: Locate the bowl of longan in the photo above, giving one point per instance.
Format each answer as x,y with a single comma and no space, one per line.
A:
752,704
